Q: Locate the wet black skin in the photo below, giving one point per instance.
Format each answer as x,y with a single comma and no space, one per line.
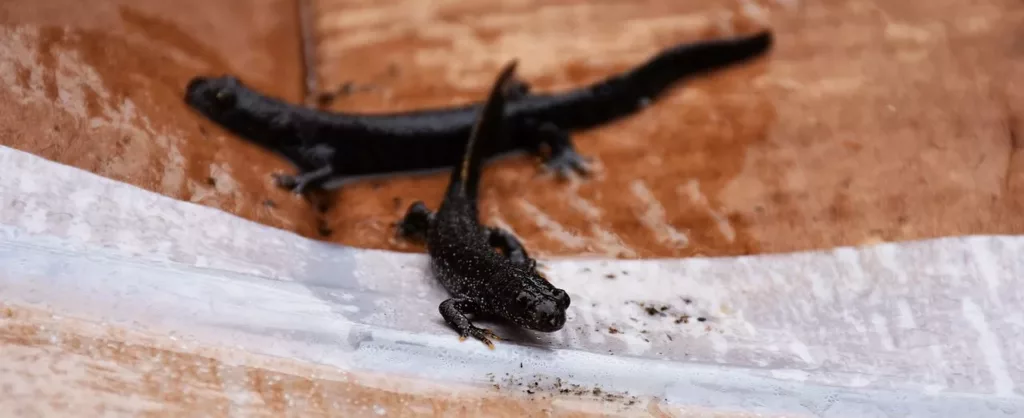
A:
327,145
480,280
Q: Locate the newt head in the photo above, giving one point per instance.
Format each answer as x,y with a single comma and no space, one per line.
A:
537,305
213,95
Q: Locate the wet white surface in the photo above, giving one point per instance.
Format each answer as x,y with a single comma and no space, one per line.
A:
926,328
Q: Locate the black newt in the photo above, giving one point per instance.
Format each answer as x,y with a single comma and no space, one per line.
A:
480,280
326,145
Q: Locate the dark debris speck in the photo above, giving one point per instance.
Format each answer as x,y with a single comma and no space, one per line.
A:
323,229
613,330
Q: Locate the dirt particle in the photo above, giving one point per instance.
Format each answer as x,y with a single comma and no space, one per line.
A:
687,301
613,330
683,319
212,182
652,310
322,205
323,229
701,319
609,276
325,99
269,203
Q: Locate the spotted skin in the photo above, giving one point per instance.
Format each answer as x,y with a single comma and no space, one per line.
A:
480,280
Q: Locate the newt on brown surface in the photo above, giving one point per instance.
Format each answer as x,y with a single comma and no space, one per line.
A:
326,145
481,280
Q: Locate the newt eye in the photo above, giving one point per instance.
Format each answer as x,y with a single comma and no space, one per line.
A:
524,299
225,97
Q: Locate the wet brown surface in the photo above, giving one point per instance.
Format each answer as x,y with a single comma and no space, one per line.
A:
56,366
98,86
870,121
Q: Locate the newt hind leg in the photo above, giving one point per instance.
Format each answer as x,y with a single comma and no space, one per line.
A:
415,223
511,247
562,157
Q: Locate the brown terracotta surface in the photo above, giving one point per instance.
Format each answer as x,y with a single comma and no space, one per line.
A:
98,85
871,121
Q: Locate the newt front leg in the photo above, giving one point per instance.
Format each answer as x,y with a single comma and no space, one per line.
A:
454,312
